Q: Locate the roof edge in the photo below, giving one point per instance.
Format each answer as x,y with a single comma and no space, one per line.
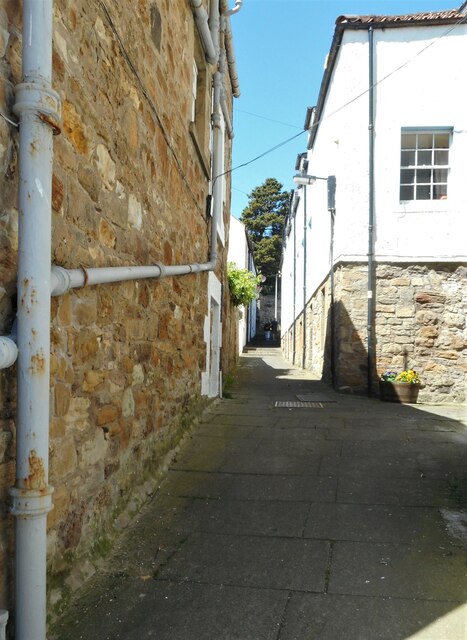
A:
353,22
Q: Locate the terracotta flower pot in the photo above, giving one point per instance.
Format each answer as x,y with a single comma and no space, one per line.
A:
404,392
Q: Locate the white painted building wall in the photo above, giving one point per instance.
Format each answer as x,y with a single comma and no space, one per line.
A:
420,83
239,253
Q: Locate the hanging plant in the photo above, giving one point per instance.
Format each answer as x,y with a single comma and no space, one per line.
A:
243,285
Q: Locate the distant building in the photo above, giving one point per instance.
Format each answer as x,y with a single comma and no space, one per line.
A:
378,279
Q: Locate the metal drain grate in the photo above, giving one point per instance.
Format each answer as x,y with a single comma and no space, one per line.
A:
298,405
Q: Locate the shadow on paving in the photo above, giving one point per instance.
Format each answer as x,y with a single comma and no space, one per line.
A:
345,521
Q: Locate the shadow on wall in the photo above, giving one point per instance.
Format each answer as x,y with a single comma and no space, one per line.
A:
345,358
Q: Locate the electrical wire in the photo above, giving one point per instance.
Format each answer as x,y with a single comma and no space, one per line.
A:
151,104
257,115
12,122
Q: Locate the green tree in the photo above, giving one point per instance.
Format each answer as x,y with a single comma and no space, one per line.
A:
264,218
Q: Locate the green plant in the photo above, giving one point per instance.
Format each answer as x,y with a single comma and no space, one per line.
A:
410,376
243,285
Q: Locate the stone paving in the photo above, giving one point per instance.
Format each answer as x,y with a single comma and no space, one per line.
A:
342,520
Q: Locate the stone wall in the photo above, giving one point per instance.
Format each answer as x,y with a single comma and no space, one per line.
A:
266,310
420,323
129,188
421,315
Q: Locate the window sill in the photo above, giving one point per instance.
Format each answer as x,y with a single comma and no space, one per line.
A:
426,206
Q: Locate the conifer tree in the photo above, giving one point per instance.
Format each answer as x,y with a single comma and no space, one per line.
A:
264,218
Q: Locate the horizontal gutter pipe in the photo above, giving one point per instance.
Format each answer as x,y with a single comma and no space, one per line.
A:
62,280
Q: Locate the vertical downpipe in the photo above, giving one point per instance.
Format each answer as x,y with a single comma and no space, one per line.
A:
371,215
294,332
217,165
304,278
37,107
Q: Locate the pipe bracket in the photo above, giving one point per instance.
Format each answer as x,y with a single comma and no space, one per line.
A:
31,503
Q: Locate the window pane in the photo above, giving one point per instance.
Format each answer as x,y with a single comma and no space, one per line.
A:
440,192
408,140
440,175
407,176
406,193
407,158
424,164
425,140
424,176
424,158
423,192
441,157
442,140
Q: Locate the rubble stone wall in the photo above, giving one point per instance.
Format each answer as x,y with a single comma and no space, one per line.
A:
420,323
129,188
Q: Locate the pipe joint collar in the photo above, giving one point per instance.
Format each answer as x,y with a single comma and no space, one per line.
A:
8,352
31,503
39,97
60,281
162,268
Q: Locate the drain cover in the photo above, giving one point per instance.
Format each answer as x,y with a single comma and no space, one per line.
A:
298,405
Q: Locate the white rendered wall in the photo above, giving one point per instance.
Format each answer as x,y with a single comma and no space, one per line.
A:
411,96
240,254
429,91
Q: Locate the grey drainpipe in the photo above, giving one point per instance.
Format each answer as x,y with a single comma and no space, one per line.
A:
294,285
371,216
202,22
3,623
37,107
304,277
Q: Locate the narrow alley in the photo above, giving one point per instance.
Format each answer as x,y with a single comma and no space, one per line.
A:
294,513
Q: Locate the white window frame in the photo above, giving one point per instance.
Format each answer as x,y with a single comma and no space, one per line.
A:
424,164
194,91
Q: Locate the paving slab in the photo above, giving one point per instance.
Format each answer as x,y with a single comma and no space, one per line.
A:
376,523
248,517
380,465
120,608
251,487
211,454
253,561
341,522
399,570
332,617
270,463
416,492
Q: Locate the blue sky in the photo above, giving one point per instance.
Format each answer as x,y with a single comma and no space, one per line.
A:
280,49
